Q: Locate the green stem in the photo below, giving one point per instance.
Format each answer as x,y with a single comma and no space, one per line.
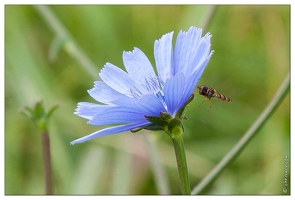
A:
71,47
208,16
181,164
47,162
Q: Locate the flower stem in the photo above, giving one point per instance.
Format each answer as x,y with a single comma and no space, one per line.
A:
181,164
47,162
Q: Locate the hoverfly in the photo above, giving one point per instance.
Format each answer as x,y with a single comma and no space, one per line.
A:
208,93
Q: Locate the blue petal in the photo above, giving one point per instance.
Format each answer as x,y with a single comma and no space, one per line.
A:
186,48
191,83
203,53
138,66
88,110
107,95
173,92
150,105
163,56
117,79
117,115
110,130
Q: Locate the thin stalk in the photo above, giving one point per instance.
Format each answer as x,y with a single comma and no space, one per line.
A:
47,162
252,131
208,16
181,164
70,46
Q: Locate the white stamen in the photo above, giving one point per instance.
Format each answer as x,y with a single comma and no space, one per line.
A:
153,85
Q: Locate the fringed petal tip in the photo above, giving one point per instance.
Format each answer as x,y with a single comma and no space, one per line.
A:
167,35
135,49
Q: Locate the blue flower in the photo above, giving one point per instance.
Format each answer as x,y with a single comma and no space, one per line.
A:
128,98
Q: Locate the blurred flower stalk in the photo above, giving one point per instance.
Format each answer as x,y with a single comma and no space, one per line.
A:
40,117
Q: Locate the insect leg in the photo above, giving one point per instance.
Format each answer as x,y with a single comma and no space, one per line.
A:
207,111
200,104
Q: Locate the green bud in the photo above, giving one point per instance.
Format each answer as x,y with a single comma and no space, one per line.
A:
38,115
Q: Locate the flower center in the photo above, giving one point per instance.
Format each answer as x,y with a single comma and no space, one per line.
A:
152,85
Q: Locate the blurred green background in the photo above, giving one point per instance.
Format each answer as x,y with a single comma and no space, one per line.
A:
251,59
